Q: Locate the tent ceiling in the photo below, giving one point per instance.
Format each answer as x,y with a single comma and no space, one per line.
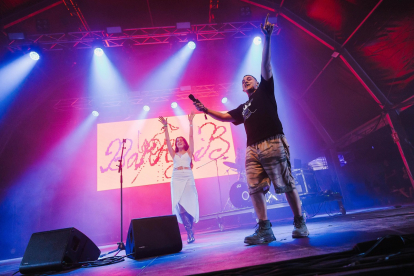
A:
382,43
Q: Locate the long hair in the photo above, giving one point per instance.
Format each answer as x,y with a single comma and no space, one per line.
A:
186,147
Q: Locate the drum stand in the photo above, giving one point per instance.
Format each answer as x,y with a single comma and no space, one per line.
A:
231,206
228,202
270,197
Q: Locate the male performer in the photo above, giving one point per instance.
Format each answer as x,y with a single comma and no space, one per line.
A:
267,152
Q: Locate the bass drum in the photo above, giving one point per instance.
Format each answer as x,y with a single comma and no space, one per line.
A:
239,195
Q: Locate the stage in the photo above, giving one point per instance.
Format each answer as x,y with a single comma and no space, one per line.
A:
217,250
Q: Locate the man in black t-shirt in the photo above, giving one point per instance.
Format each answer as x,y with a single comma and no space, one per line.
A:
267,152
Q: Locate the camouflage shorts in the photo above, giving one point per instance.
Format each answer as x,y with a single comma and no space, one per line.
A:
267,161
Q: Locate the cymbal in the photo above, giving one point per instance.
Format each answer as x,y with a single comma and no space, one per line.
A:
231,165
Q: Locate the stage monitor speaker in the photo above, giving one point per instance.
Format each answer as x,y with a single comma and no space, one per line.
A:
57,250
149,237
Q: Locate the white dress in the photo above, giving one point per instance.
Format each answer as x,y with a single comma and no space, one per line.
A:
183,189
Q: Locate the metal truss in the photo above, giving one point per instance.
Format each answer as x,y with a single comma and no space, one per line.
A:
145,97
139,36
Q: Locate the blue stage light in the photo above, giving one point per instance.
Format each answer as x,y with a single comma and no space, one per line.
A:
174,105
95,113
34,55
257,40
146,108
98,51
224,100
191,45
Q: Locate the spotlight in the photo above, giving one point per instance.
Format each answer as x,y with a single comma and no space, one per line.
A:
95,113
97,46
98,52
191,38
146,108
224,100
257,40
174,105
34,55
191,45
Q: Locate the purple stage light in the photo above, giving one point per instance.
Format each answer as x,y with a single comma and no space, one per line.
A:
98,51
224,100
257,40
95,113
146,108
174,105
34,55
191,45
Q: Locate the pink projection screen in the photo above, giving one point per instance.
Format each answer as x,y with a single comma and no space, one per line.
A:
146,160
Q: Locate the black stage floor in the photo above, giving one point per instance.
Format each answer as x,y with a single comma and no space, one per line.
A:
223,250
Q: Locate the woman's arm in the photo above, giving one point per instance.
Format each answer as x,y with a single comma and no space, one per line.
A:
167,135
191,140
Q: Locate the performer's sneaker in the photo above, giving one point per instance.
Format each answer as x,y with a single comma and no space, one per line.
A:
262,235
299,230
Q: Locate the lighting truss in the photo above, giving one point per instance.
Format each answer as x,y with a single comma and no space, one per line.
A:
137,98
138,36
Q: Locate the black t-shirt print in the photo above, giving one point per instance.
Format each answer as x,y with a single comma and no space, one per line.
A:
259,114
246,111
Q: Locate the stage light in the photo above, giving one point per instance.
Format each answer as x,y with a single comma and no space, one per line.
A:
34,55
98,46
183,25
114,30
95,113
146,108
174,105
257,40
191,38
245,11
16,36
224,100
98,52
191,45
42,26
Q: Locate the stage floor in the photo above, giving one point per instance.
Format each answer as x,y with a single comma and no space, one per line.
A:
214,251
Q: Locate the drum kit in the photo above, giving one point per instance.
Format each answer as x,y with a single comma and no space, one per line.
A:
239,192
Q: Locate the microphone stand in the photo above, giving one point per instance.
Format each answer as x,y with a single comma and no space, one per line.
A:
218,179
121,245
219,218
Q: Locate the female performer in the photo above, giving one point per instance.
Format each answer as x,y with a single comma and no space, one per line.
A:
184,196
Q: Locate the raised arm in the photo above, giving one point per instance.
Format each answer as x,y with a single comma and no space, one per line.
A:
191,141
267,30
167,135
223,117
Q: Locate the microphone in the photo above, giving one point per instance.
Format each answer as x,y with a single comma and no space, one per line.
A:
191,96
